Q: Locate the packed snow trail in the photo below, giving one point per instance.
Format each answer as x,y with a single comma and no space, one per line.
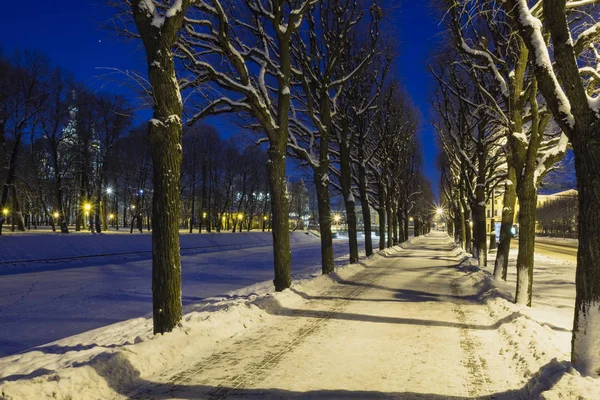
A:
405,327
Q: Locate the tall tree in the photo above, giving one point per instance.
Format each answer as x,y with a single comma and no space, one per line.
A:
158,25
571,92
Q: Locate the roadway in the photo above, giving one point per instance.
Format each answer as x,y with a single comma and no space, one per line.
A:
562,250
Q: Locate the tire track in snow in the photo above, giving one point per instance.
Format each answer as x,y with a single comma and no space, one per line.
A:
477,379
270,353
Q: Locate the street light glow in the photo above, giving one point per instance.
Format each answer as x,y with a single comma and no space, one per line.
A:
337,218
439,211
111,217
109,190
5,211
56,215
87,207
240,216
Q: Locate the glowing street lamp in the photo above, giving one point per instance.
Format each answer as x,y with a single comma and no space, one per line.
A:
203,215
5,211
439,211
133,206
87,207
337,218
265,218
240,216
111,217
109,190
56,215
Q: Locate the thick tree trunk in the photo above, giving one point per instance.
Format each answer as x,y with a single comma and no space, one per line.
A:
322,187
366,209
585,343
381,213
480,226
468,225
165,144
276,169
527,211
405,220
400,217
459,227
165,135
395,223
349,201
390,226
508,216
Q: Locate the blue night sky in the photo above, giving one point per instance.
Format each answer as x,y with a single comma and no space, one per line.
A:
70,33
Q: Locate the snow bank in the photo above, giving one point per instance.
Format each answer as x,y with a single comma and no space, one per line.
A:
22,247
109,361
539,348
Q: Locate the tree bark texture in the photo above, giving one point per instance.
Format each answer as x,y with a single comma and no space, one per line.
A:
322,188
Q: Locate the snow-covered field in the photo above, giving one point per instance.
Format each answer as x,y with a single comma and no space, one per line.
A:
41,302
441,329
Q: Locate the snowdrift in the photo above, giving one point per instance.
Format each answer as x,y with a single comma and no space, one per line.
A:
539,349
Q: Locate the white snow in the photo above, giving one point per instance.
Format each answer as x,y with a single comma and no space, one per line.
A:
594,103
521,137
174,9
543,58
539,337
96,363
412,324
541,166
118,287
587,340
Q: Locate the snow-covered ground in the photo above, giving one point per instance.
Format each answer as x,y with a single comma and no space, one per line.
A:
412,322
41,302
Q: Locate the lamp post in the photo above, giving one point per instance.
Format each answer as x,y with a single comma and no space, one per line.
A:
3,219
337,218
87,207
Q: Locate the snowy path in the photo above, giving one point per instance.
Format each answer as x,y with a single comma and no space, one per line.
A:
405,327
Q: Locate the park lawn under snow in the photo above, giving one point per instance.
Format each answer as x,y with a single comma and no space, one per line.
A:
125,354
81,365
44,301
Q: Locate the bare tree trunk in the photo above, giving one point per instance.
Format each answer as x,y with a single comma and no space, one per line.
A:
525,258
406,217
390,226
480,223
508,216
366,209
382,213
349,201
280,209
322,187
165,136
